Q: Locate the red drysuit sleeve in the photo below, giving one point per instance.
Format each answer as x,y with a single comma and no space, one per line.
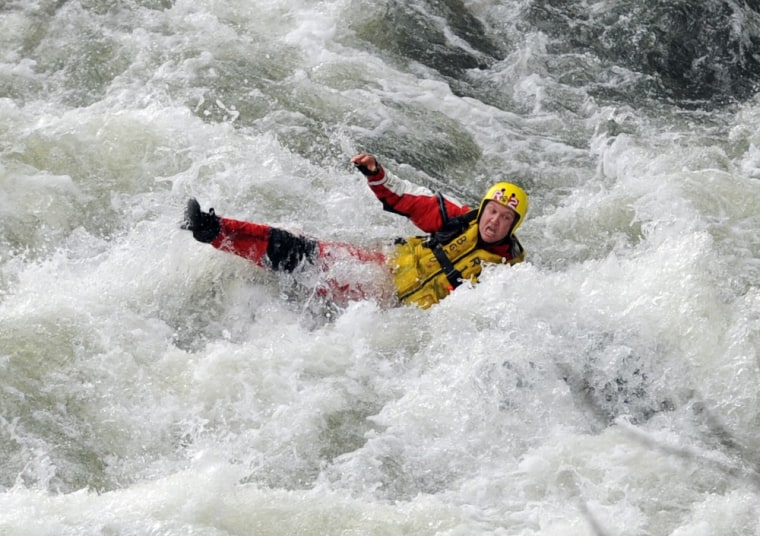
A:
417,203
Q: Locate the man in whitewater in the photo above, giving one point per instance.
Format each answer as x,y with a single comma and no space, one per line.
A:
415,270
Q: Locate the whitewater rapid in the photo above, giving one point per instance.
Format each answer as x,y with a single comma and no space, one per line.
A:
150,384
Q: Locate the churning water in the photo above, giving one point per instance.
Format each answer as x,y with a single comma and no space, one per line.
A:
151,385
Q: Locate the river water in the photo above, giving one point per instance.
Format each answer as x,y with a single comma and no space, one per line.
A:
151,385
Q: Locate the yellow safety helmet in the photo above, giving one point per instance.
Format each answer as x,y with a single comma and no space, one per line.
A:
510,195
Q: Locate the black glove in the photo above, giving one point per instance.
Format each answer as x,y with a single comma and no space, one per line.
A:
204,225
365,170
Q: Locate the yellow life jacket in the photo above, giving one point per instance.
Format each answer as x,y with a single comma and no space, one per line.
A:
426,272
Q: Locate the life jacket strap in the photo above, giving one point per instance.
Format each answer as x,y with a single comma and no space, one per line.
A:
453,275
442,209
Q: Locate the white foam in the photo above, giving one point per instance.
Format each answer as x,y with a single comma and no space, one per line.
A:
598,384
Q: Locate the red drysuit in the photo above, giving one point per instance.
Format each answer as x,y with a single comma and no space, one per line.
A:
284,251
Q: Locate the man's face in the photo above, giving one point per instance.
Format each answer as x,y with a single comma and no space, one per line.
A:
495,222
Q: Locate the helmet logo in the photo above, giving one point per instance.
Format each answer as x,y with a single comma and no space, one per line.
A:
512,202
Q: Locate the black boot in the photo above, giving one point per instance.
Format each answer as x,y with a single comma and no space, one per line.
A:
204,225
